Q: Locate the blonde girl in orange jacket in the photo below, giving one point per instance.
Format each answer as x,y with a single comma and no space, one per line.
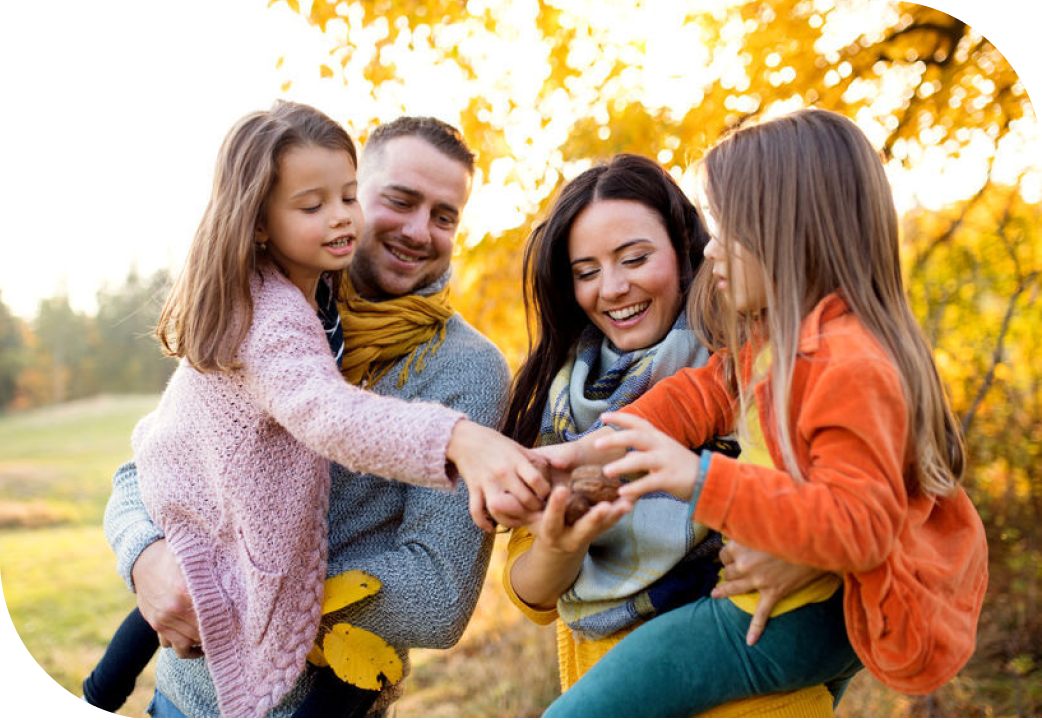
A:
861,478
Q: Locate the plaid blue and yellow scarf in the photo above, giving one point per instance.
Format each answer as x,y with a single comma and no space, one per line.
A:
650,560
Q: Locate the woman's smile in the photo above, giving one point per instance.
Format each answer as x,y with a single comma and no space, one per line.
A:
625,273
629,315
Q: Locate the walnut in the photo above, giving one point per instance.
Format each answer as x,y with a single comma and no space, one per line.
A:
589,486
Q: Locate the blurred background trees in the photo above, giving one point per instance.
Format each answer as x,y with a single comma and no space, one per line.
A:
62,354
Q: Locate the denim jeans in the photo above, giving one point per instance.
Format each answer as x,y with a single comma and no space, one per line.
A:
161,707
694,658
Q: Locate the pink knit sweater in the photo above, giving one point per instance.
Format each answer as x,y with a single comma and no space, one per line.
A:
232,467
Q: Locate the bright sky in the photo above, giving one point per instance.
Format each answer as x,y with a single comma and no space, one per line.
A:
115,111
109,140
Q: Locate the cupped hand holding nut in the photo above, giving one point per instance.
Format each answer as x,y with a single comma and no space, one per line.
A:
589,486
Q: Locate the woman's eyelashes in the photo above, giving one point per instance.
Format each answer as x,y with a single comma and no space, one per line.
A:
582,273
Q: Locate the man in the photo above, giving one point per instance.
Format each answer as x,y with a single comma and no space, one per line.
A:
403,339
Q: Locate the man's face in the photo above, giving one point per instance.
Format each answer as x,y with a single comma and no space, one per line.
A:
412,196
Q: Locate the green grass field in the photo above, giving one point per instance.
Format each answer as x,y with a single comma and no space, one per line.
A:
65,598
58,573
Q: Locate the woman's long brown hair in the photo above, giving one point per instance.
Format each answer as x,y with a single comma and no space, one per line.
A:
549,294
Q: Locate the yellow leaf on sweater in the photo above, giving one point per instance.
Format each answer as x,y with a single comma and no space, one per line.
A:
316,658
346,588
359,657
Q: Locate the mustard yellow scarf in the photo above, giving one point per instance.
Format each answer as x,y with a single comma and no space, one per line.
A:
378,334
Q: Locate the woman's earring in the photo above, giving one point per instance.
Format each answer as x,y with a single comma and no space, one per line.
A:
261,245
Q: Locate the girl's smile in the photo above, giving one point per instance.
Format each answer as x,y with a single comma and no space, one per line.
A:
312,219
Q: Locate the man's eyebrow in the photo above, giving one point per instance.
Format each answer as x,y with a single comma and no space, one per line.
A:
404,190
417,195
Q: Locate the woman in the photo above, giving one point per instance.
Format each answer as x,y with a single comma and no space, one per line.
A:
606,274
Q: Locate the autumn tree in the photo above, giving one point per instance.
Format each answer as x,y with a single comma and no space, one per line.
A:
543,88
126,348
550,86
12,355
68,355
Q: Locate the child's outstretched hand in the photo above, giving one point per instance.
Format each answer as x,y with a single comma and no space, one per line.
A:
565,457
669,466
506,481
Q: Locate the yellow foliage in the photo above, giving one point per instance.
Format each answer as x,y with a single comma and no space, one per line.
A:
346,588
360,657
316,658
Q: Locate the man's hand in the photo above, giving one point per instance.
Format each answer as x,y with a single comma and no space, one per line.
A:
162,597
746,570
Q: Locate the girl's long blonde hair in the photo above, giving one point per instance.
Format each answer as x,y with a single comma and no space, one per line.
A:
808,196
210,309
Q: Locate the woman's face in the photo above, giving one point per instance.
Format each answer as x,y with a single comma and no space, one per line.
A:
625,272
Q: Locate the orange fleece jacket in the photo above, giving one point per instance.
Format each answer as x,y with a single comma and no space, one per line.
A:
914,566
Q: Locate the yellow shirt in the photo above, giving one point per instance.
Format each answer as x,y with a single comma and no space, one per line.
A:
754,450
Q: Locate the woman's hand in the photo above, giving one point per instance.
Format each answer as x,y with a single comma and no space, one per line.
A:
507,482
669,466
550,566
560,538
746,570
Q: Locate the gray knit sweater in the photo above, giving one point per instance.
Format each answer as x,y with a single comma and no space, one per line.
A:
421,543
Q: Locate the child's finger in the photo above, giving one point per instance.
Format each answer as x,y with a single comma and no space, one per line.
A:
636,461
478,513
559,456
649,483
759,621
532,472
625,420
518,487
629,440
506,511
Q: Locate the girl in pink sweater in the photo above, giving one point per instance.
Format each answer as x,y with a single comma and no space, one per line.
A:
234,463
851,457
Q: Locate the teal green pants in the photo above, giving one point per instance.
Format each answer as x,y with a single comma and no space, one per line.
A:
694,658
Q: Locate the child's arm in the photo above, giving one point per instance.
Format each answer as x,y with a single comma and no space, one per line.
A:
503,477
846,513
293,378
